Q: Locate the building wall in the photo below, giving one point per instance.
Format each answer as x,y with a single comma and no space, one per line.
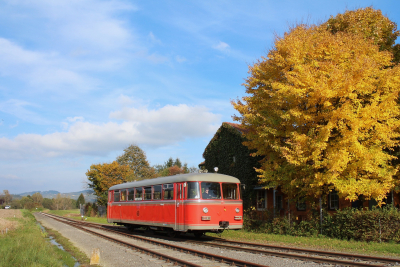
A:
227,152
299,215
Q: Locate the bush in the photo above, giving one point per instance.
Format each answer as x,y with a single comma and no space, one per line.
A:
377,225
91,210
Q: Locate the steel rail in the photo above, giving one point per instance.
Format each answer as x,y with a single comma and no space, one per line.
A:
213,257
286,255
310,251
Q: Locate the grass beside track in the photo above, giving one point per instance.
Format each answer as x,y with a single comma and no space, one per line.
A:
74,214
323,243
27,246
69,247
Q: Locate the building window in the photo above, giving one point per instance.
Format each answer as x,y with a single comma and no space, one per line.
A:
388,199
333,200
301,205
278,202
261,199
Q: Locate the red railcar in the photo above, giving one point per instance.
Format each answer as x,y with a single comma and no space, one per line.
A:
195,202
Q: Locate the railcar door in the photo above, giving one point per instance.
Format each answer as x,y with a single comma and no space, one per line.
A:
116,207
180,211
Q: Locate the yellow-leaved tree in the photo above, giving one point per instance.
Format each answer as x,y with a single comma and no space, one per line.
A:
102,176
322,110
371,24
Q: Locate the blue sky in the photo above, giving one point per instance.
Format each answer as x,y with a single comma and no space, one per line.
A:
80,80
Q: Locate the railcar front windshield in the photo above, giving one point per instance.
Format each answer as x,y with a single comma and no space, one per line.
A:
230,191
210,190
193,190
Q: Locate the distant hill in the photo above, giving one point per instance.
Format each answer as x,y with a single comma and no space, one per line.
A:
88,194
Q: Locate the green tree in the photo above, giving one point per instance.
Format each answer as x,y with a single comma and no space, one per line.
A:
16,204
37,198
135,158
178,163
322,110
173,167
81,200
47,203
102,176
7,196
57,202
26,202
169,163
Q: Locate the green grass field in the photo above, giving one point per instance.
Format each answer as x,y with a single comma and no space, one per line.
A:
28,246
74,214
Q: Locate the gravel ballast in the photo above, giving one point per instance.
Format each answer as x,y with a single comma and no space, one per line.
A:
112,254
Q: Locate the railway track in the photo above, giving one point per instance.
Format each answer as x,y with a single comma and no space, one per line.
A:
332,258
302,254
197,256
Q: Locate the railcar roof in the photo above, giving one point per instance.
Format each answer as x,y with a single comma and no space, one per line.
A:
202,177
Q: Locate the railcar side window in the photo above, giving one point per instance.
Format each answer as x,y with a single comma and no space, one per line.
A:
230,191
147,193
210,190
123,195
157,192
116,195
168,191
110,197
193,190
131,193
138,195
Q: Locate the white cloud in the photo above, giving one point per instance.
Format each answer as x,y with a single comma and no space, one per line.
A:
19,109
157,59
221,46
124,100
74,119
9,177
154,128
154,39
180,59
46,71
92,24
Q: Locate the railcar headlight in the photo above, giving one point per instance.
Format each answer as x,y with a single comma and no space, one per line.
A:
237,210
205,210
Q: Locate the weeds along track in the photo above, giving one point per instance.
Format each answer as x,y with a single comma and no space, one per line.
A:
317,256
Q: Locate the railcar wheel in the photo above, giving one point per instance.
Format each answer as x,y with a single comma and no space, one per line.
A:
198,234
173,233
131,227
